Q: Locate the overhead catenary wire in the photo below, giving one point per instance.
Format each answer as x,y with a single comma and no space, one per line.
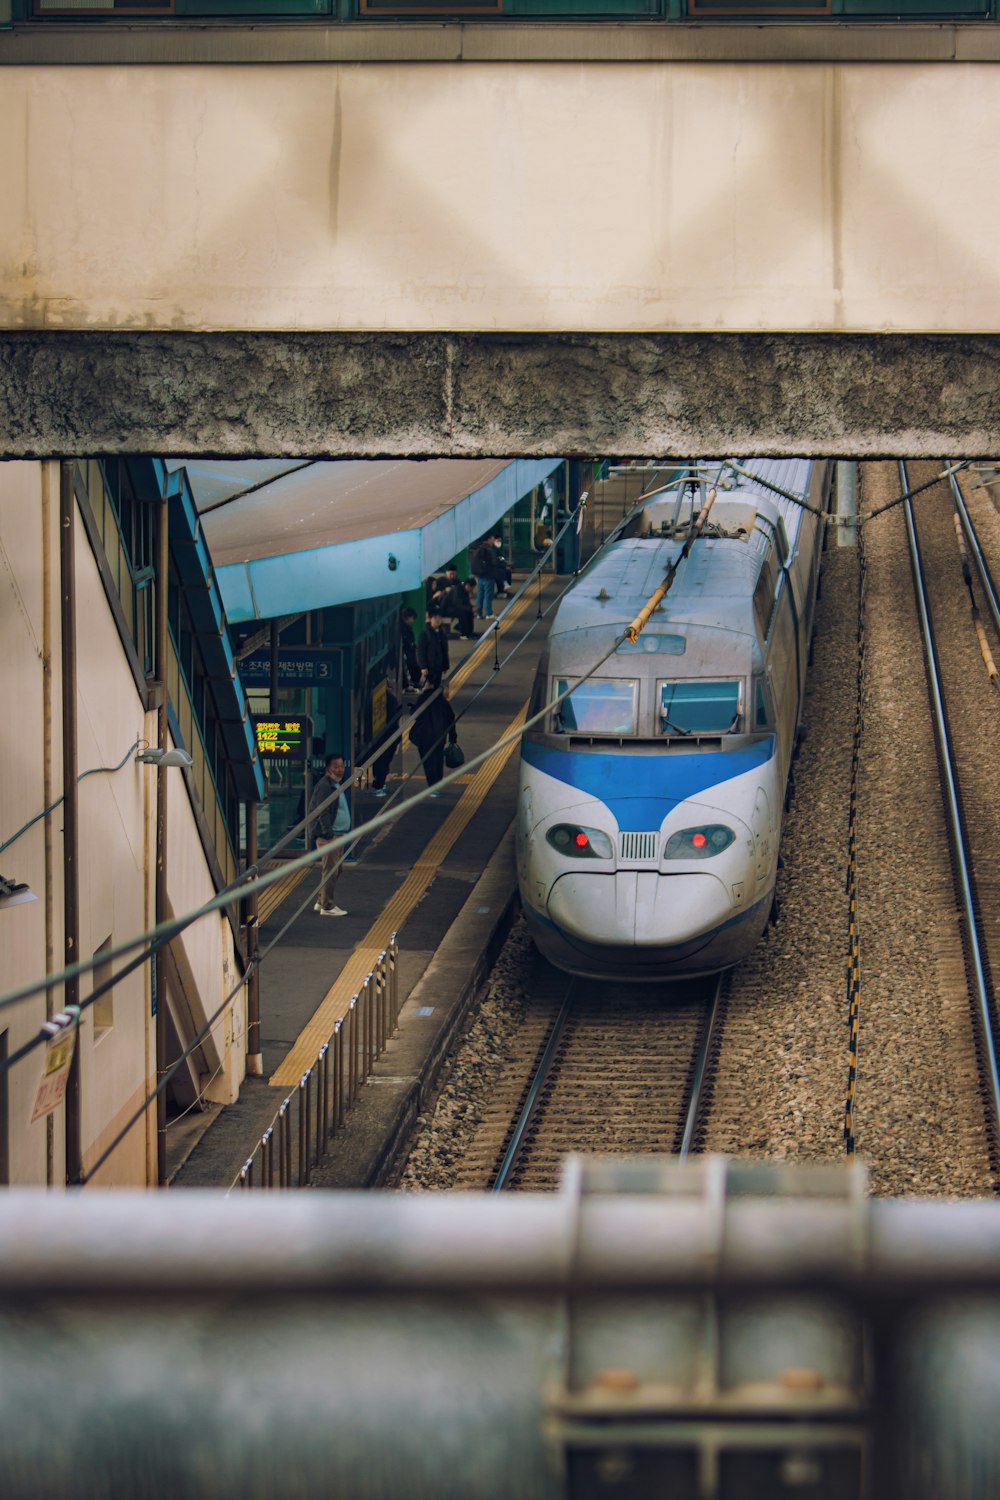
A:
167,930
252,879
856,521
383,819
344,840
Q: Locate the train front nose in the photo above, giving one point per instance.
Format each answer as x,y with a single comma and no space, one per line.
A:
638,909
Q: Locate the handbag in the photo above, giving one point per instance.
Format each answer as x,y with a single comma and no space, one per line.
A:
454,756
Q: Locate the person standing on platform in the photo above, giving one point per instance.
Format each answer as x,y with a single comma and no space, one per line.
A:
380,766
484,566
502,573
428,733
408,645
329,822
432,649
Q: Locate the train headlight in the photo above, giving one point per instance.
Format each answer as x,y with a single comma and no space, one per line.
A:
580,843
699,843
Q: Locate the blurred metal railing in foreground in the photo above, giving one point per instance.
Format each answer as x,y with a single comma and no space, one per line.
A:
298,1137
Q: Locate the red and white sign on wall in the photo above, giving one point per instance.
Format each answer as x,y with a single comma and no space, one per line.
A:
61,1032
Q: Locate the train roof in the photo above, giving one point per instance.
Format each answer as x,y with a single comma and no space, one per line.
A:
714,584
713,587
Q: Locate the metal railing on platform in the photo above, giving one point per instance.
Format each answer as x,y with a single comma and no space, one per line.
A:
307,1120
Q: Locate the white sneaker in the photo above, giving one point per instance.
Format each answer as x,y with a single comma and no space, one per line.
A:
317,907
332,911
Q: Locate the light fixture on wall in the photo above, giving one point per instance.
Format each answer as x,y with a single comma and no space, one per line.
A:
156,757
13,893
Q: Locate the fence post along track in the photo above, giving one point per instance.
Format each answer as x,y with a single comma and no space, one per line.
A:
298,1137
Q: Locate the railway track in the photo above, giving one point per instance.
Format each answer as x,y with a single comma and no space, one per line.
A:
595,1067
950,573
922,1122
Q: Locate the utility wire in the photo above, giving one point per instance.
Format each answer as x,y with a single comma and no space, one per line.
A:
251,879
340,842
344,840
94,771
166,931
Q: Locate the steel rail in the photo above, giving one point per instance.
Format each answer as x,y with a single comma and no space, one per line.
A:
532,1101
701,1069
543,1069
972,539
953,815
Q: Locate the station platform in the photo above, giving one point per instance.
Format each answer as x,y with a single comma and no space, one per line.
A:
440,877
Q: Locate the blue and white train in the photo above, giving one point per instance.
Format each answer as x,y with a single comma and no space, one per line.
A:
651,799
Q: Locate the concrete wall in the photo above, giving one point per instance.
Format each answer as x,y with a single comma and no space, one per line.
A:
568,197
117,850
28,933
485,258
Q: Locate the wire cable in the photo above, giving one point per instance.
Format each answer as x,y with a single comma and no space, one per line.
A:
193,1045
94,771
342,842
166,930
250,879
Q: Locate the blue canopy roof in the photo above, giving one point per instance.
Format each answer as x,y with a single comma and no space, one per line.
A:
290,536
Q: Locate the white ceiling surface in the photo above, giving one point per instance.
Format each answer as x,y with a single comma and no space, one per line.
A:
267,508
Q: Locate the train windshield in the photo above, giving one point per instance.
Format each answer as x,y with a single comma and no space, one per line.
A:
598,706
699,707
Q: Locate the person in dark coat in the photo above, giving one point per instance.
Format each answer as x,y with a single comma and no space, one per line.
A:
432,649
432,588
504,576
489,572
411,667
453,602
380,767
429,732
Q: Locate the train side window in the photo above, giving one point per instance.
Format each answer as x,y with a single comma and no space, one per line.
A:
763,706
763,604
600,705
782,539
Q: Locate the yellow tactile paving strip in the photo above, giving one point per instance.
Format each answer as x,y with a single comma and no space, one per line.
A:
337,1000
268,901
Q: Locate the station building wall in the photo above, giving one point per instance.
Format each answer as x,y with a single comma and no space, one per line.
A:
117,823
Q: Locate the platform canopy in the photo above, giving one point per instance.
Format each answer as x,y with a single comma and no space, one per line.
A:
286,536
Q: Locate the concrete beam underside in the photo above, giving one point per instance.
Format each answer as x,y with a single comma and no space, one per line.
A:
496,395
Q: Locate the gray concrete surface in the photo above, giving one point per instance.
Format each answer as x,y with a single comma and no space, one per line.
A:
492,395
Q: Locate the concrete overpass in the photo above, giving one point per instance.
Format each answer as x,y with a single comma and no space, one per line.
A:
449,239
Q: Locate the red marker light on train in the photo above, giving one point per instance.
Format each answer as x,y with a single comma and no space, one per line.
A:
699,841
581,841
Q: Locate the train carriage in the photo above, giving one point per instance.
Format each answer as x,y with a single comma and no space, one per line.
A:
651,798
